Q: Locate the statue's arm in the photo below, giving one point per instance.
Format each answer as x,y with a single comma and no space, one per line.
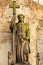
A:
28,33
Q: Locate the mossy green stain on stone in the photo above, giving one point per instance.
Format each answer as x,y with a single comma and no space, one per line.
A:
13,4
25,30
21,16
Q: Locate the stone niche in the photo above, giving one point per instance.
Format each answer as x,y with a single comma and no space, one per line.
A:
5,37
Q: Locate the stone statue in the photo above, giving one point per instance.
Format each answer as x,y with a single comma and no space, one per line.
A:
22,40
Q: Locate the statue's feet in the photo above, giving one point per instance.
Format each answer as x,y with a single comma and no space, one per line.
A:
24,62
19,61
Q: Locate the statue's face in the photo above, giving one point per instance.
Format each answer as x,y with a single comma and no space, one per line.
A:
21,19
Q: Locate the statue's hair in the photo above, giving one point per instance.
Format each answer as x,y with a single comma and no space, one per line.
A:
20,15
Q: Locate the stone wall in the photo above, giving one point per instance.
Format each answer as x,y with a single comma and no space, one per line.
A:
5,36
32,17
40,42
5,46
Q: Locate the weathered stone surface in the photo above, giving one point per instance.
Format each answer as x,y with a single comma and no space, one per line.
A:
5,46
33,16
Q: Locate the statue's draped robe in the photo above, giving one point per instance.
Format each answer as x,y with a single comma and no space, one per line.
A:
22,35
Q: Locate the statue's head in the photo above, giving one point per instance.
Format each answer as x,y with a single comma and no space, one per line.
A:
21,17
